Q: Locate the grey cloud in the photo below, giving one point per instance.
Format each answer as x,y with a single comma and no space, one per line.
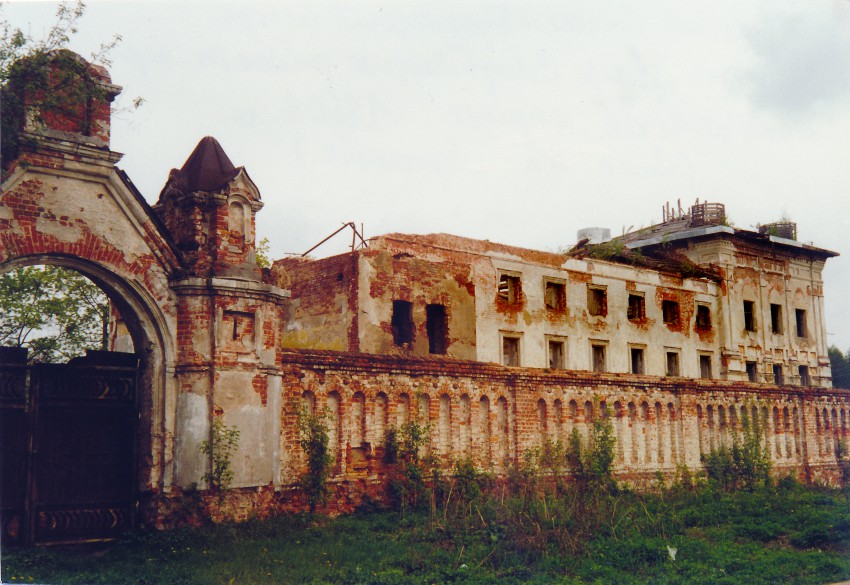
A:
802,61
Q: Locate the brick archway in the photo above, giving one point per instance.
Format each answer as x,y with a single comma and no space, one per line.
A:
68,206
147,327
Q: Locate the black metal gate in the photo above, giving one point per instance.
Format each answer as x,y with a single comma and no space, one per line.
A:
68,449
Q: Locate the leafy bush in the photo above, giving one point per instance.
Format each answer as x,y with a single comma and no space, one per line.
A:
593,464
842,456
746,464
223,442
407,486
313,429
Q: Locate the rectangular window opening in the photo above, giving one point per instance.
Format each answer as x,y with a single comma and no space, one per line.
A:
802,330
555,296
637,308
597,302
670,312
637,360
749,315
598,352
703,319
673,363
510,289
776,318
705,366
510,351
556,354
778,378
805,380
437,327
402,323
752,372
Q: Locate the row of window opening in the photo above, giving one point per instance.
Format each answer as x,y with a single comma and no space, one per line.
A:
436,326
555,299
777,323
557,357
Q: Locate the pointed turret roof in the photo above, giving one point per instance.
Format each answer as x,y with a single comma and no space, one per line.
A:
208,168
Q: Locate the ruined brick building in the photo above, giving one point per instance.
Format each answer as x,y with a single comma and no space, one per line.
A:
680,333
690,297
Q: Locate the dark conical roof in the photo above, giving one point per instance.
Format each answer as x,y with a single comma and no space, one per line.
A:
208,168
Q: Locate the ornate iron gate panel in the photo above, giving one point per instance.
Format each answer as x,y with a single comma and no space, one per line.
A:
14,451
78,480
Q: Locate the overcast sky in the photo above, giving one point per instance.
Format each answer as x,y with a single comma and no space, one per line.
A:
518,122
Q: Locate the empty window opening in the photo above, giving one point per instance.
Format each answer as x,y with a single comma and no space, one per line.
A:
510,351
749,316
670,312
597,302
556,354
805,380
555,296
703,317
510,289
637,360
802,330
752,372
776,318
778,378
437,327
705,366
672,363
402,323
637,308
598,355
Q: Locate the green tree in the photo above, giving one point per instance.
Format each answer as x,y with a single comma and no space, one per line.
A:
65,91
56,313
840,363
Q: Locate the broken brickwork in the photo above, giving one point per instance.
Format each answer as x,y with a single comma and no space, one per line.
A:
492,346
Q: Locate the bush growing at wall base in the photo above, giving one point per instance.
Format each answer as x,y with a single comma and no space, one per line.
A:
313,429
223,442
746,464
407,481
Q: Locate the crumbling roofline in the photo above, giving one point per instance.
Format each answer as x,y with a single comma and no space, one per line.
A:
683,235
723,229
501,251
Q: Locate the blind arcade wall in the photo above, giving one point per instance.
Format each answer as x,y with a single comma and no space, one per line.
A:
217,338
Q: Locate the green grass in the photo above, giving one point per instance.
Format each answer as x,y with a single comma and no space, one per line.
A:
784,534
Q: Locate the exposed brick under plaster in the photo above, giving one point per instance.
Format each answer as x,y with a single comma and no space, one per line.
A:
200,294
493,414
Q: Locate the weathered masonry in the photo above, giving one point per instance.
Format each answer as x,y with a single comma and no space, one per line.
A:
690,297
681,333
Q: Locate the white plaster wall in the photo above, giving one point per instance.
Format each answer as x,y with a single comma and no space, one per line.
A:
580,328
193,428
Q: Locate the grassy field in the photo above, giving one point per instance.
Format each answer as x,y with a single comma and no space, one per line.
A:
779,534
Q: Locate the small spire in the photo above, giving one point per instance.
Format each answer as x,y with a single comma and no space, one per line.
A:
208,168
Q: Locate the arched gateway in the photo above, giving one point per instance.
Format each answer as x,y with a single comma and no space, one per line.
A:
179,276
209,329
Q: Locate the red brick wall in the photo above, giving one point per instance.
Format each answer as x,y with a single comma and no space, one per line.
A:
404,277
323,303
660,423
